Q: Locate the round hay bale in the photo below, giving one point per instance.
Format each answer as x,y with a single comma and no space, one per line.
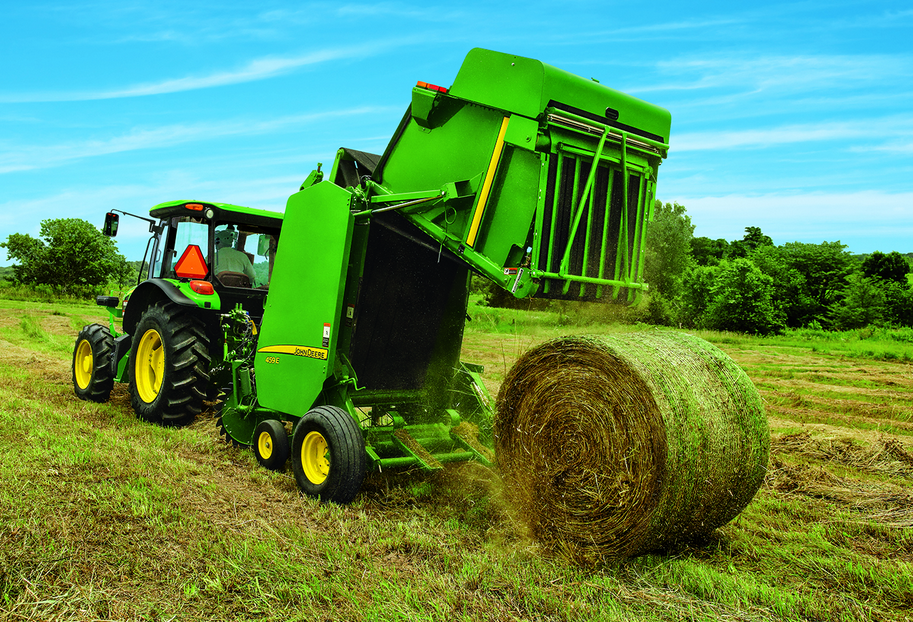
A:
615,446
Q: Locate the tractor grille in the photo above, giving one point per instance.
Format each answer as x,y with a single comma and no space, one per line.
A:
595,251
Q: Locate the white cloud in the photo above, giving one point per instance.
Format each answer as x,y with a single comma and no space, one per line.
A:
257,69
865,220
872,130
702,141
14,159
779,73
24,216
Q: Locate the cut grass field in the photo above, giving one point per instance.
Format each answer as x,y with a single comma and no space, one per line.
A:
103,517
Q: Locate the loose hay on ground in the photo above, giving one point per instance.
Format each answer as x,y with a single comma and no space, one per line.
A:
615,446
884,455
888,504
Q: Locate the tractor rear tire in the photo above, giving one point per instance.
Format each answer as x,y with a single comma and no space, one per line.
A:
271,445
93,378
328,455
168,366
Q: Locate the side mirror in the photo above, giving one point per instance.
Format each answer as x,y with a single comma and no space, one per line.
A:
111,221
263,245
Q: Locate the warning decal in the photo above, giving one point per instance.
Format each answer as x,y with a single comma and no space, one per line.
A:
305,351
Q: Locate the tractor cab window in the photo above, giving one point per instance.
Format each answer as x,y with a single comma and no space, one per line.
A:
243,255
182,233
158,252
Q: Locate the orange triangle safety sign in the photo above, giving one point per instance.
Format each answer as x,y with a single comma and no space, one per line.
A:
192,264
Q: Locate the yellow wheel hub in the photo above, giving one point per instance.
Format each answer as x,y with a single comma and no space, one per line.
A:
265,445
315,457
150,365
83,364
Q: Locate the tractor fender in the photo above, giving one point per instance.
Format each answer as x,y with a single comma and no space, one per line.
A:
147,294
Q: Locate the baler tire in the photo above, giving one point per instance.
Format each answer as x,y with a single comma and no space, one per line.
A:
271,446
328,455
168,366
92,375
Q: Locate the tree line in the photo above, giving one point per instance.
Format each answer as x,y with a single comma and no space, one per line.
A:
749,285
70,256
754,286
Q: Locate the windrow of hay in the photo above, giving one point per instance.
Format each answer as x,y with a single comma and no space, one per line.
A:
885,455
615,446
885,503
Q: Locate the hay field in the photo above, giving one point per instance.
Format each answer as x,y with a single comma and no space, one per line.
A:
106,518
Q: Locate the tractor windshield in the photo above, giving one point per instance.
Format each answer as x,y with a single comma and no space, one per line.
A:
238,255
243,255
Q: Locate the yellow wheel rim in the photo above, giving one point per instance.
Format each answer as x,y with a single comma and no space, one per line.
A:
83,364
265,445
315,457
150,365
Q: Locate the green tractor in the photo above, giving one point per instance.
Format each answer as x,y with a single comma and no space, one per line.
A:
534,178
202,259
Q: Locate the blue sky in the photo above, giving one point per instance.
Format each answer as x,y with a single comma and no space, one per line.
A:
795,117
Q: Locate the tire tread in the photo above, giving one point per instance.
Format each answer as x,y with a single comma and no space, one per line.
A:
180,398
102,381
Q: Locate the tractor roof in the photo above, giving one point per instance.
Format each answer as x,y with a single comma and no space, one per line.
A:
221,211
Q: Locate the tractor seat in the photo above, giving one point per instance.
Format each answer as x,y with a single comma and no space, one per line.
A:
233,279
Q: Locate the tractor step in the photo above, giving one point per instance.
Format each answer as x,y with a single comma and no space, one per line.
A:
407,443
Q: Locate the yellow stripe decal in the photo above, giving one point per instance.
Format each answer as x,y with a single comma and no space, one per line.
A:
311,353
486,187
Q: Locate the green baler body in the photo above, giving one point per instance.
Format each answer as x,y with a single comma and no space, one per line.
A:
369,293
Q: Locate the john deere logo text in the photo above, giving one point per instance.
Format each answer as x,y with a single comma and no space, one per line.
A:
311,353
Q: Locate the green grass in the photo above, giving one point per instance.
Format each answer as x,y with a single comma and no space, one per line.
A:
887,344
105,517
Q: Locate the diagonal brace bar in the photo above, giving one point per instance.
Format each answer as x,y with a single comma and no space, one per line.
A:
587,188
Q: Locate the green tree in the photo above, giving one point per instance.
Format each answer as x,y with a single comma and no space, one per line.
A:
898,303
743,301
753,238
668,248
890,267
824,269
707,252
864,304
70,254
697,295
789,293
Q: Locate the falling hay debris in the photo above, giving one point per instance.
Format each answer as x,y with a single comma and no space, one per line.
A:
615,446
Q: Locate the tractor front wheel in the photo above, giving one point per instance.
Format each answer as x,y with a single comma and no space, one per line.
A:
328,454
169,366
271,444
93,378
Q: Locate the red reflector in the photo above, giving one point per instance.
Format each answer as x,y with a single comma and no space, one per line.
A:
202,287
192,264
195,207
433,87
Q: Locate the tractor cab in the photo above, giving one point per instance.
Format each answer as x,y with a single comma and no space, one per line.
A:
231,247
209,255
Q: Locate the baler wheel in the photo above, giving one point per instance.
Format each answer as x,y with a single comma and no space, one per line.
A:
92,375
168,366
271,444
328,454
